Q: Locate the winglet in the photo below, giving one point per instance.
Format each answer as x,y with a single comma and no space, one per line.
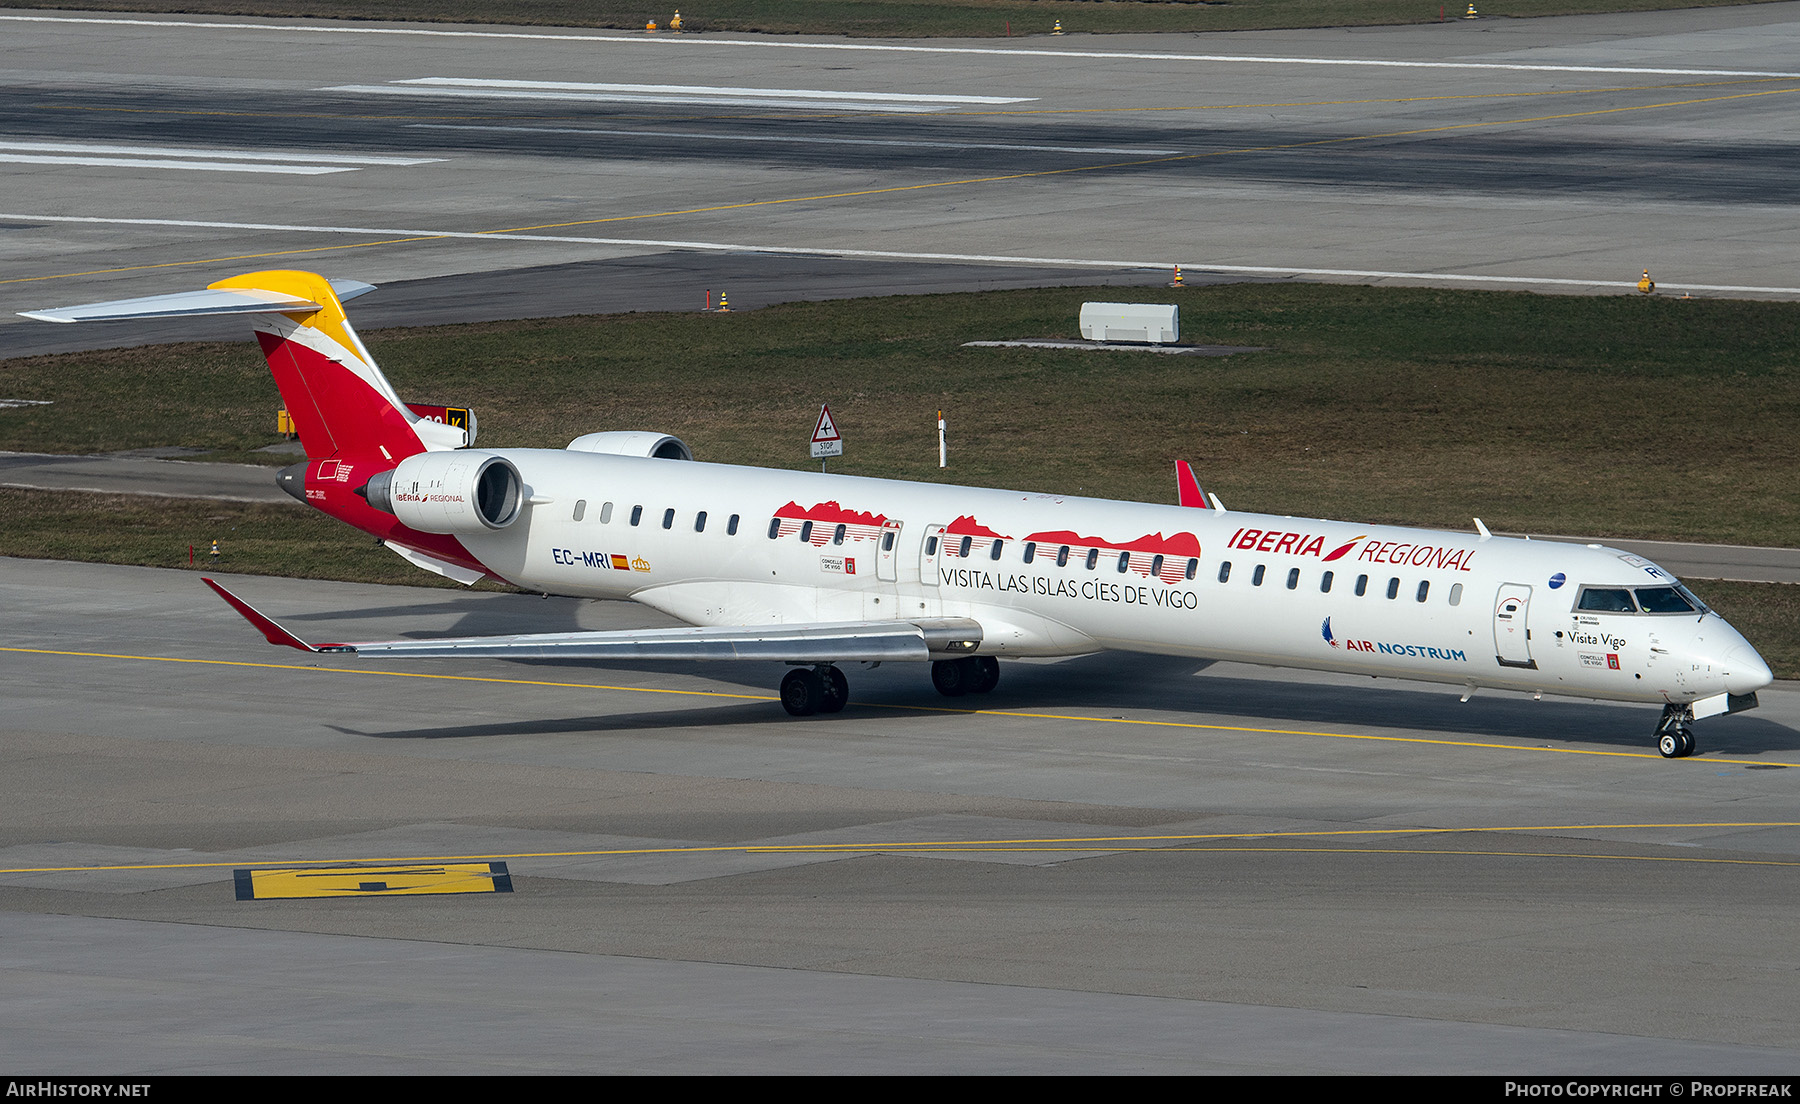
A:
274,633
1187,487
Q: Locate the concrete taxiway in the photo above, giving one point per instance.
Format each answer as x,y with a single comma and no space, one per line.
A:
1109,864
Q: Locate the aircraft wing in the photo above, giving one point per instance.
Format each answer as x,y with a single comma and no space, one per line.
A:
834,642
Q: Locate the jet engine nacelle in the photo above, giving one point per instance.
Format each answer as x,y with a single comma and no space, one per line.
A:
659,446
450,492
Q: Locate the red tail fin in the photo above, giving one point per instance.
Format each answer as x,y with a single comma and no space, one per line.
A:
340,402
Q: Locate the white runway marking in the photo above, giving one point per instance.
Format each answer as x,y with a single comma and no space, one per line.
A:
709,90
481,88
786,139
867,47
185,166
225,154
192,159
1164,264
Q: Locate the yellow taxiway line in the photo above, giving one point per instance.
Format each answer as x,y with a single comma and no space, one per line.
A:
366,868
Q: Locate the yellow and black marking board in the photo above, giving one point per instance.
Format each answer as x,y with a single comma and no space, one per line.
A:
373,881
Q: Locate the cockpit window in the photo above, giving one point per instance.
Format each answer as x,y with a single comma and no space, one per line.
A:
1606,600
1663,600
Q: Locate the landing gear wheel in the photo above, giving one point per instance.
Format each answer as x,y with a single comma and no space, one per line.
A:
1674,739
836,688
802,692
950,677
984,673
1678,744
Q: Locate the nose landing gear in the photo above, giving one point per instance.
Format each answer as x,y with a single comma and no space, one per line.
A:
1675,733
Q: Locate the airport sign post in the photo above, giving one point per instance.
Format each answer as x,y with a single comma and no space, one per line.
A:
825,439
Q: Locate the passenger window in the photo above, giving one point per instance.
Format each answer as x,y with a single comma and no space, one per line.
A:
580,508
1393,589
837,535
1424,587
1606,600
669,518
1093,558
994,553
700,522
1030,551
1256,576
606,513
1124,562
806,531
887,541
1225,571
1362,585
1456,594
1662,600
1156,566
637,514
1062,556
963,549
774,528
1293,577
731,526
1325,583
1193,567
931,546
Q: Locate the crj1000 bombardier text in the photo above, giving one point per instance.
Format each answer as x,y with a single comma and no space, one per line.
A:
819,570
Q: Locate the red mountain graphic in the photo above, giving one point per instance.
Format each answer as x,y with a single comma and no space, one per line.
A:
830,513
1181,544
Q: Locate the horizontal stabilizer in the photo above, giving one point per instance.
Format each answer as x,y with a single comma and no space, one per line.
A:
194,304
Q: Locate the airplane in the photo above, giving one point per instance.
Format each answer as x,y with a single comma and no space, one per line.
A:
820,571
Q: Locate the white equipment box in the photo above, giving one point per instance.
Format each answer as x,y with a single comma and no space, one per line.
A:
1154,323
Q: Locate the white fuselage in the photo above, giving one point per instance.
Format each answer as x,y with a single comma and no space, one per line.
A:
1377,600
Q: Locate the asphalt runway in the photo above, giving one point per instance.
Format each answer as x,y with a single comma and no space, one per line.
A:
155,152
1120,864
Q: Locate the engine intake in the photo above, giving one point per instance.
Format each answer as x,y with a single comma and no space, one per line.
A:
631,442
450,492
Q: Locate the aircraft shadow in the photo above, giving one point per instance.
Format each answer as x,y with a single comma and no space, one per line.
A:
1124,681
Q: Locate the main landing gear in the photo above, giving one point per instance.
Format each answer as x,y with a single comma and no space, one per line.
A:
1675,733
967,675
824,689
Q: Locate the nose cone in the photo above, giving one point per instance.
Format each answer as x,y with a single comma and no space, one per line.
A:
1745,671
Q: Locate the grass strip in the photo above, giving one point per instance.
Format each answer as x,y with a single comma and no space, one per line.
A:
1617,416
